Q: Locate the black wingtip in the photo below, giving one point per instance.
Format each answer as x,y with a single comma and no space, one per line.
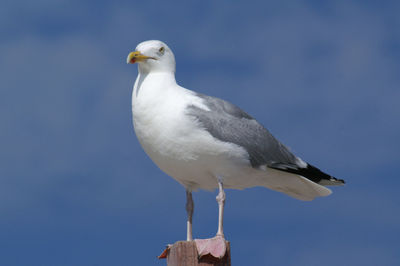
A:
333,181
312,173
341,181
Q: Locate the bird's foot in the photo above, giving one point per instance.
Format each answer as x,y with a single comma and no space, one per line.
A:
215,246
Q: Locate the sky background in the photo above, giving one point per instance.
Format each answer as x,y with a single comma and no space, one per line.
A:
76,189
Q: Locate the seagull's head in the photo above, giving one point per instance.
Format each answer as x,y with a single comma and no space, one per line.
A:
152,56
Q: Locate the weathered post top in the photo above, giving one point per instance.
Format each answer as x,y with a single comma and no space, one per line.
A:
185,253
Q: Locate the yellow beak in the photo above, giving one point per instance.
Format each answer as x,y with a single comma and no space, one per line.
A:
136,56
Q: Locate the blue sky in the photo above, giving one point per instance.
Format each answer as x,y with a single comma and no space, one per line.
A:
77,189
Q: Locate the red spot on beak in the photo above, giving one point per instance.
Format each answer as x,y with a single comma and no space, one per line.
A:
133,60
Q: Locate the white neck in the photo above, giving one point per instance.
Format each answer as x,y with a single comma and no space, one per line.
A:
154,80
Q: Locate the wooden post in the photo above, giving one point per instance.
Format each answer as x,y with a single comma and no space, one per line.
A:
184,253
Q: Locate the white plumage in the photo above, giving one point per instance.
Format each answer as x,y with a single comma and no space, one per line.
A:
204,142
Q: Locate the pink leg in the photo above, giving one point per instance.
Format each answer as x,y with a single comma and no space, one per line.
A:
189,209
221,203
215,246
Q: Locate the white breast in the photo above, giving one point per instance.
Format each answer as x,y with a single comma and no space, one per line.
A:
175,141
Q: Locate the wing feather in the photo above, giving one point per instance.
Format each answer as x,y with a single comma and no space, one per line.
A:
229,123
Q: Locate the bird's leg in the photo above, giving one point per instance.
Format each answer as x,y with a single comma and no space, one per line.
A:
189,209
215,246
221,202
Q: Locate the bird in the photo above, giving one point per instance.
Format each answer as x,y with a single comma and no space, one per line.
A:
204,142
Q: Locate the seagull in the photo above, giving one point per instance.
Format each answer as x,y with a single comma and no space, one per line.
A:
208,143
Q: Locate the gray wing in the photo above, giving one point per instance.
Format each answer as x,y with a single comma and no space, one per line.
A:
229,123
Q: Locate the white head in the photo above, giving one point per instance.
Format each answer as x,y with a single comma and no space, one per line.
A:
152,56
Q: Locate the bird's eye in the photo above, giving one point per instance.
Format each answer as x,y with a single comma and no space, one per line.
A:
161,50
